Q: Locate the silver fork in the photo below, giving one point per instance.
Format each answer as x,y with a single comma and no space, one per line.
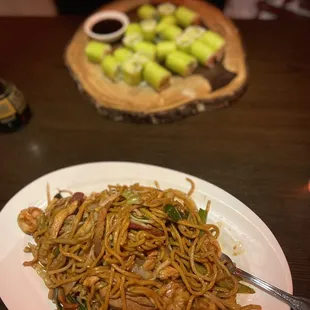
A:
296,303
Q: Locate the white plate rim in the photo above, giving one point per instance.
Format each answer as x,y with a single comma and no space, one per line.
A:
243,210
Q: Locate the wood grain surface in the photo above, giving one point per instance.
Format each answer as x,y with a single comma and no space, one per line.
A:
258,150
184,97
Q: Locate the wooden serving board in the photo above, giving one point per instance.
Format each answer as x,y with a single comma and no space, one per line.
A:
206,89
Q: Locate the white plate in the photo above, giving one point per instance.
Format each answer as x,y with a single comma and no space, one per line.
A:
258,250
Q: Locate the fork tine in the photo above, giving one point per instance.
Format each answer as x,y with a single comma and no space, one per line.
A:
229,263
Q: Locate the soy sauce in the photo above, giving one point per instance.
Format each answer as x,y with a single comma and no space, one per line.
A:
107,26
14,111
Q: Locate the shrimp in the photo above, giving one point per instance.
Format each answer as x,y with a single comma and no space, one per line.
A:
150,260
90,281
204,303
174,295
28,220
168,272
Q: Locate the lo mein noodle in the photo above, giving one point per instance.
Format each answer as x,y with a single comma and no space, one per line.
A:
130,247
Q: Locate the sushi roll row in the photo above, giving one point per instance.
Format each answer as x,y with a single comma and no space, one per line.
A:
140,68
183,16
154,22
205,45
150,30
132,67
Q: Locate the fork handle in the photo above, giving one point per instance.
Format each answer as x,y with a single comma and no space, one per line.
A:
296,303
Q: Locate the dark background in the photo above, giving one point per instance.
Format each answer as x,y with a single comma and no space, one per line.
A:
84,7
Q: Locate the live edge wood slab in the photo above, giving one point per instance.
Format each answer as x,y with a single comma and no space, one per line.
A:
206,89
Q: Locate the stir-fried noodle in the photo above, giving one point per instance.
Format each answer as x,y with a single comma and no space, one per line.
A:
130,247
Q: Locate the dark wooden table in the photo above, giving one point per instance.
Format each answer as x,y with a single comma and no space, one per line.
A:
258,149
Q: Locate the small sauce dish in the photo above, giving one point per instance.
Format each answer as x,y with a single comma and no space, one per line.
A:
106,26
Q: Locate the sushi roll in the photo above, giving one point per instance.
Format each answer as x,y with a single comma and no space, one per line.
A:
95,51
131,39
213,39
186,17
181,63
146,11
184,42
133,28
163,48
169,19
166,20
140,58
156,75
203,53
122,54
132,72
111,67
148,27
171,32
146,48
165,9
194,32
